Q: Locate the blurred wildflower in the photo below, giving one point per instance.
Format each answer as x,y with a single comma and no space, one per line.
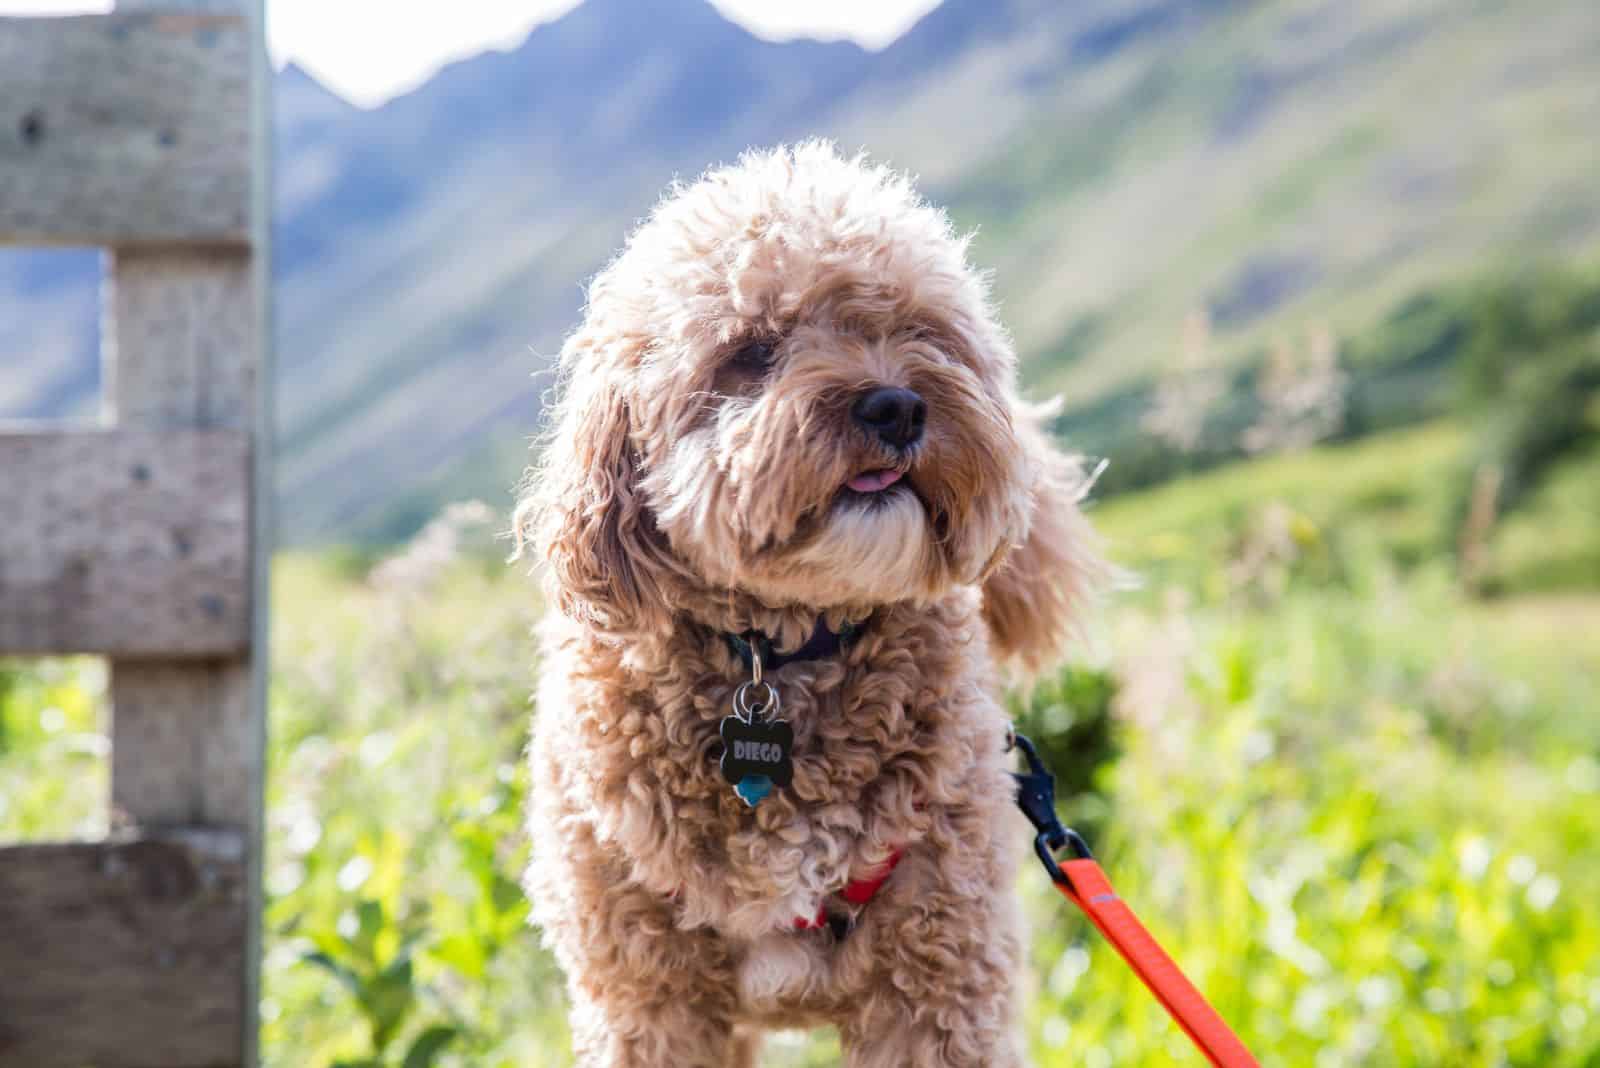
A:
1276,888
1543,891
376,748
1302,396
428,555
1411,955
1311,1006
1583,775
1185,396
1482,510
1377,992
1264,554
1475,853
1153,678
302,828
1069,968
354,874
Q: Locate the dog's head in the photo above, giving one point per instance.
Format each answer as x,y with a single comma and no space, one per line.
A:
789,384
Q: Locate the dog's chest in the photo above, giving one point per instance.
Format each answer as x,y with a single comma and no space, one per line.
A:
864,737
839,730
884,740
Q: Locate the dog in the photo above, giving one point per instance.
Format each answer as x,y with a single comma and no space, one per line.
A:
796,521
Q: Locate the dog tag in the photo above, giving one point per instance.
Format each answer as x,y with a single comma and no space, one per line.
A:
756,756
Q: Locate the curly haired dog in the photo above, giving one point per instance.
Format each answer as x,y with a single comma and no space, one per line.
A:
789,421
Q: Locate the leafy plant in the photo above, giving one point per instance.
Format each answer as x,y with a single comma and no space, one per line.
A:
374,964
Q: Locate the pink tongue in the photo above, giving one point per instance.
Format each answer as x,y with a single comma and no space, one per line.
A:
873,481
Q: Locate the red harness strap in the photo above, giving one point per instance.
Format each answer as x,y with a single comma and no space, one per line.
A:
857,892
1090,890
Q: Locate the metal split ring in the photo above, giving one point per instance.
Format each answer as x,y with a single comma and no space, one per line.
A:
766,708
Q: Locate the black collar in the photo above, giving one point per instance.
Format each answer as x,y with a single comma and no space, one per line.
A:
822,644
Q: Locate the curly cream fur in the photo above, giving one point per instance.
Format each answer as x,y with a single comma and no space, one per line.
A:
682,495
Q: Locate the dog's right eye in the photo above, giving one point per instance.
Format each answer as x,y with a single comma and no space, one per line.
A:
755,356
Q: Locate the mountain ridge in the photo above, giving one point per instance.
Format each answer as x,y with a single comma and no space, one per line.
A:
1123,163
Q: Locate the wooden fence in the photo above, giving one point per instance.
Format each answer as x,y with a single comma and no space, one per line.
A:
143,131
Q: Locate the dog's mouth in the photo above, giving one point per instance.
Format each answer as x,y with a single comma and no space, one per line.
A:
874,481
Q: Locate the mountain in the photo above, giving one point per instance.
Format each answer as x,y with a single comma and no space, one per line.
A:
1124,161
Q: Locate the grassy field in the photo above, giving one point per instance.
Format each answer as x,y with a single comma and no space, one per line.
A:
1358,805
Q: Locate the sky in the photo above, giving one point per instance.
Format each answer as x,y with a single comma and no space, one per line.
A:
371,50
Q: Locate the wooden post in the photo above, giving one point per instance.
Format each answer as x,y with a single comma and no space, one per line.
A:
186,346
145,131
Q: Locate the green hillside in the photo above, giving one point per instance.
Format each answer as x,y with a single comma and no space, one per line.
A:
1284,170
1283,166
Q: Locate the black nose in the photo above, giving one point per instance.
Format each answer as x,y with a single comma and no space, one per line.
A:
895,415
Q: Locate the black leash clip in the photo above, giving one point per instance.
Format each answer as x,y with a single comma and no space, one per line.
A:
1036,797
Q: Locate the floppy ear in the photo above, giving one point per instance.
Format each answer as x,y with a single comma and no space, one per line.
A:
581,508
1033,598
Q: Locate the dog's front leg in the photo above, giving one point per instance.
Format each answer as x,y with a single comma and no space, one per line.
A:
679,1033
645,992
943,966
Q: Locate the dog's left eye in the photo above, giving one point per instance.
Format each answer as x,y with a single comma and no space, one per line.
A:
755,355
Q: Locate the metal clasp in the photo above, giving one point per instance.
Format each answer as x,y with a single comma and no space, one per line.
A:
1036,796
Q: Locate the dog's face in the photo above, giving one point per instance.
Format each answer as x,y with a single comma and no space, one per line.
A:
789,384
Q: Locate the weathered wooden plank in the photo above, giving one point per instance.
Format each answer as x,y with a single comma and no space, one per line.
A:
125,129
184,739
179,338
131,543
125,953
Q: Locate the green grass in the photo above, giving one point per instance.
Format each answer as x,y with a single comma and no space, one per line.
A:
1379,498
1358,806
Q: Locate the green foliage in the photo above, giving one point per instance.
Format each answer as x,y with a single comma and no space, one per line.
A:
1516,323
1518,352
1542,411
1349,883
1068,718
1357,806
374,965
53,774
1548,544
1528,375
400,711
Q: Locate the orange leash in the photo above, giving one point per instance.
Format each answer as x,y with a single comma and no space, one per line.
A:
1082,882
1090,890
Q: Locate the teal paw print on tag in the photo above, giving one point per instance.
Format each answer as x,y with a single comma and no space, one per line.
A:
752,788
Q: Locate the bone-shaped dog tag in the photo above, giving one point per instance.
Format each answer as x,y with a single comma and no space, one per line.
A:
756,756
